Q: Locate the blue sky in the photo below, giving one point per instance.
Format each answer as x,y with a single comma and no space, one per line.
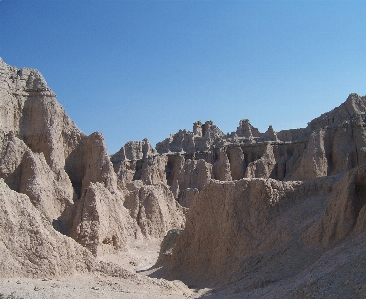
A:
145,69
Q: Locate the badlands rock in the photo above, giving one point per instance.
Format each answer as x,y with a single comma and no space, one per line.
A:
154,170
27,172
237,162
138,161
68,176
192,174
246,130
133,150
227,222
30,247
344,213
249,213
143,176
97,166
331,144
155,210
101,222
203,137
283,226
221,168
270,135
167,245
263,167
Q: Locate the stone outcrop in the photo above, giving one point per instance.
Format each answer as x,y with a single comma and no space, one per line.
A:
30,247
329,145
255,221
237,162
263,167
142,174
344,213
246,209
101,222
70,181
224,225
203,137
155,210
221,168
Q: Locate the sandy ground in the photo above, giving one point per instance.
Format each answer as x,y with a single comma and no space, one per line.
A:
90,286
138,259
338,273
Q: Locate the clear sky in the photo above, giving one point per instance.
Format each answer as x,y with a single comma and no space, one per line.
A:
145,69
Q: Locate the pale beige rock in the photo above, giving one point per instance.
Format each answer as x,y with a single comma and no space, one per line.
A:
154,170
45,188
344,212
263,167
133,150
32,114
237,162
12,152
102,223
43,153
313,162
270,135
192,174
187,197
138,161
27,172
98,167
246,130
167,245
203,138
300,208
155,209
30,247
221,168
251,219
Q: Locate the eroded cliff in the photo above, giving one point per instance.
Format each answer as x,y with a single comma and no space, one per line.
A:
246,213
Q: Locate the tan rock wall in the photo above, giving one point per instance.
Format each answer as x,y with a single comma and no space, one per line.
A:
30,247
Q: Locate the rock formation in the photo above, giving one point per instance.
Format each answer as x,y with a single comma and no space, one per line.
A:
246,213
54,174
30,247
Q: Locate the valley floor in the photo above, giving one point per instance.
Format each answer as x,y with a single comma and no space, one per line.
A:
139,258
339,273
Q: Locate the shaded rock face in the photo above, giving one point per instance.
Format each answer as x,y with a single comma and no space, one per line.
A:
167,245
216,239
280,227
344,213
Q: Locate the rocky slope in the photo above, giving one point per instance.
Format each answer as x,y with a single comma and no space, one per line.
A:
54,175
246,213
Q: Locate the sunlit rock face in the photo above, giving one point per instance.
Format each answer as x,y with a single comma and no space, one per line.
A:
66,181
